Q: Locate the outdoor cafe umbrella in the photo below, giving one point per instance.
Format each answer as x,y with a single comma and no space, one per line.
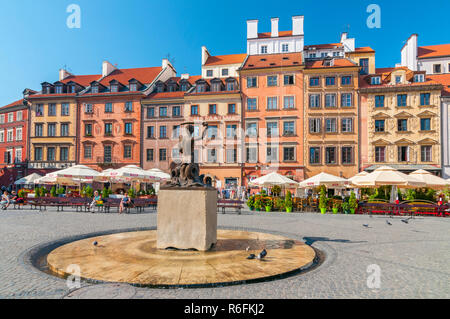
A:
274,179
431,181
353,180
325,179
28,180
78,172
52,179
132,173
159,173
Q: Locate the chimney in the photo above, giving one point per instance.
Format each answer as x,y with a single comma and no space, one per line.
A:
344,36
165,63
185,76
252,29
107,68
63,74
275,27
205,55
297,25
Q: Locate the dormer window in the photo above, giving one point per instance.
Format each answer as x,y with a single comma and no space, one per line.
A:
73,89
94,89
398,79
46,89
160,88
375,80
114,88
201,88
217,86
419,78
133,87
172,88
184,87
209,73
59,89
312,55
231,85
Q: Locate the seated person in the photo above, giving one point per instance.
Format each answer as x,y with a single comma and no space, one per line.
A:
125,202
5,202
15,199
97,201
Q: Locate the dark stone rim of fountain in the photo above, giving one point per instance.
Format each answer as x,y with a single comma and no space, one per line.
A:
36,259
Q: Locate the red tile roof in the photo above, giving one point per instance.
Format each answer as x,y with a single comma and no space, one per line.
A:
385,74
226,59
143,75
273,61
84,80
166,95
444,79
432,51
364,50
341,62
16,103
280,34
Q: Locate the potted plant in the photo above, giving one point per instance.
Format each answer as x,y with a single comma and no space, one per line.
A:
353,203
37,192
288,202
346,207
258,203
132,193
268,204
251,202
60,192
276,190
336,207
43,192
53,191
280,204
323,201
22,194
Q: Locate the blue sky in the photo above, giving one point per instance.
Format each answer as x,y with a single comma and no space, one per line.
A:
35,41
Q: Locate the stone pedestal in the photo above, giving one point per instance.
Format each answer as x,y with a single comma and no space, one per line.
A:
187,218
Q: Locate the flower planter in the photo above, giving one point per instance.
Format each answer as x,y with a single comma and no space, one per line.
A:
335,210
323,211
268,209
252,208
288,209
352,211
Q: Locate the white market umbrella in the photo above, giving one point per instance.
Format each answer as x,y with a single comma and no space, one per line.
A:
357,177
132,173
385,176
431,181
78,172
159,174
28,180
273,179
53,179
324,179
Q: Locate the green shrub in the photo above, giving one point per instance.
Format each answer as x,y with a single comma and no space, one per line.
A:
37,192
60,191
353,203
288,200
280,204
276,190
251,202
323,200
132,193
53,191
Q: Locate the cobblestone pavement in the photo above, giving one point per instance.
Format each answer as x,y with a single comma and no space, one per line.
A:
414,258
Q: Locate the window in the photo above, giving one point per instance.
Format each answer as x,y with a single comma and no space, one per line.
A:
403,154
128,128
40,110
314,100
347,125
150,112
398,79
425,153
88,129
150,155
314,81
380,152
330,100
252,129
52,109
330,80
194,109
375,80
108,129
272,154
87,151
312,55
314,155
252,82
264,49
19,116
231,108
176,131
252,155
402,125
289,102
64,154
18,157
51,154
224,72
285,47
133,87
127,151
175,153
216,87
209,73
289,80
163,131
114,88
346,80
289,154
272,80
176,111
18,134
163,111
10,135
88,108
425,124
107,153
51,129
59,89
212,109
38,153
289,128
2,118
231,155
272,129
129,107
73,89
212,155
347,155
108,108
201,88
346,99
315,125
65,109
364,63
331,125
212,131
401,99
231,131
379,100
10,117
272,103
150,132
419,78
251,104
424,99
379,125
436,68
330,155
184,87
38,130
323,54
65,129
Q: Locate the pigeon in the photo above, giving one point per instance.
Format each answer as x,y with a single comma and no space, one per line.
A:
387,222
262,254
252,256
248,249
95,243
366,225
405,221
